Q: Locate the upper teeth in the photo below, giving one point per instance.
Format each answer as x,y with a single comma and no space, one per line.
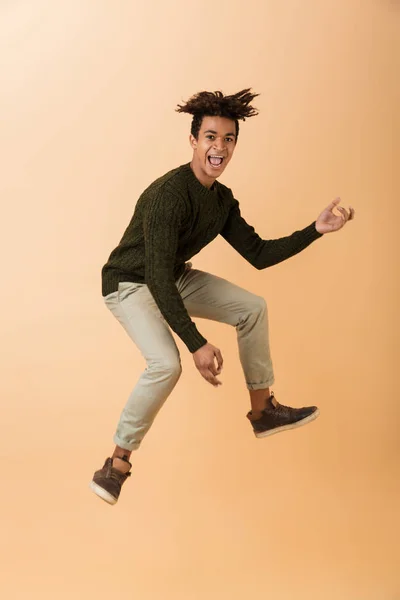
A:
215,156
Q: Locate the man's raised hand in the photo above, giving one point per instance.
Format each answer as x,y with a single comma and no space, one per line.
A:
328,222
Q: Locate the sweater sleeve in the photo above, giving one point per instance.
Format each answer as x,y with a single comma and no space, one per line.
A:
264,253
161,223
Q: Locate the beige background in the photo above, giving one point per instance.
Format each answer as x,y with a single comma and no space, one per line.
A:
88,91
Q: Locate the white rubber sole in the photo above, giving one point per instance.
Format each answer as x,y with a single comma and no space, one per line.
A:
102,493
304,421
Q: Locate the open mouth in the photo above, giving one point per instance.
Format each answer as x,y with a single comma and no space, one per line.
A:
215,161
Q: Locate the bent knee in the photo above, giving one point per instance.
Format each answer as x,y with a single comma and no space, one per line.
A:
253,310
171,369
257,305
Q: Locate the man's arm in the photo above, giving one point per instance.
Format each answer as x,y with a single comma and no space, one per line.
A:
264,253
161,225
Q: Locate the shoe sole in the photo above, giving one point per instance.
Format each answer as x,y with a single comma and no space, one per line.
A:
102,493
263,434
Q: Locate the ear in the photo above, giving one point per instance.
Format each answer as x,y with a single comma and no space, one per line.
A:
193,141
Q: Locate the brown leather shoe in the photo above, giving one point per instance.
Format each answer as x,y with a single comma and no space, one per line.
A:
277,417
107,482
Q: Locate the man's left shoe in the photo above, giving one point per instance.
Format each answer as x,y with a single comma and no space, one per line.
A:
107,482
277,417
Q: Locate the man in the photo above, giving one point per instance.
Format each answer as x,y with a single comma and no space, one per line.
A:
150,287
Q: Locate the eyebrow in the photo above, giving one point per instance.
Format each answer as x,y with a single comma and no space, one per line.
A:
212,131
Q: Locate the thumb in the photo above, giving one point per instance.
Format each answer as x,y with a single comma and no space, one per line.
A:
220,361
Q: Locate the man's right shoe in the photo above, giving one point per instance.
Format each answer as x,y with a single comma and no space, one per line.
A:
107,482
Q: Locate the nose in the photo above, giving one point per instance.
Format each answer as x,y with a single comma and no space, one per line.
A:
219,147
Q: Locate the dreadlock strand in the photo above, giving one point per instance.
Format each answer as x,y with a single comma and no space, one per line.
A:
236,107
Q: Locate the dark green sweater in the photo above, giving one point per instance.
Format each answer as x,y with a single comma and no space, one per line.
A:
174,218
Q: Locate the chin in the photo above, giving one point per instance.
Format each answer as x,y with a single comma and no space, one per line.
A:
214,173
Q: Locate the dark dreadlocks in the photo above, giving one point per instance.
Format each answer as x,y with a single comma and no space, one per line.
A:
215,104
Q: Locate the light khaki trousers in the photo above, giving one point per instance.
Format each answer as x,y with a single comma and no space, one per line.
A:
208,297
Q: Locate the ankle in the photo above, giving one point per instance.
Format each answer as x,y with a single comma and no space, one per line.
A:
259,399
121,453
121,463
259,404
255,414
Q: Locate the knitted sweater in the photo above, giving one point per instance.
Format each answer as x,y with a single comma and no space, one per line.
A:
174,218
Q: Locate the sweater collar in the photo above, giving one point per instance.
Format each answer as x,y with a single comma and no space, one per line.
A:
195,184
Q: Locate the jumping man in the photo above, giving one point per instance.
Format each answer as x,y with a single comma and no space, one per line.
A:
150,287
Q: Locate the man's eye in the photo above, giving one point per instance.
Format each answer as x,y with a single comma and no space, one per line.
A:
209,137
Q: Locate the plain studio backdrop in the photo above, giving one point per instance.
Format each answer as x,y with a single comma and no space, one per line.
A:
88,92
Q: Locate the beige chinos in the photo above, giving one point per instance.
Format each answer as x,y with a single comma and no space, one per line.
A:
205,296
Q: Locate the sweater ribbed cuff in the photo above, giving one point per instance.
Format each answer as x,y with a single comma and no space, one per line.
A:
311,232
193,338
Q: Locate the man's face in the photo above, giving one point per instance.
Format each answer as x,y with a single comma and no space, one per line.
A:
213,149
